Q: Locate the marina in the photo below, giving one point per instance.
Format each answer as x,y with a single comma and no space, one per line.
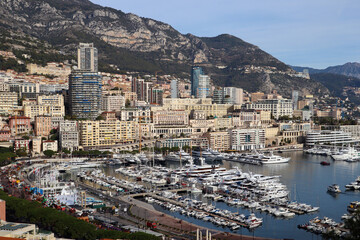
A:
306,180
267,200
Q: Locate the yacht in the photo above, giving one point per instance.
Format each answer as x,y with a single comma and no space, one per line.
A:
348,154
205,154
177,157
334,188
272,159
192,170
259,158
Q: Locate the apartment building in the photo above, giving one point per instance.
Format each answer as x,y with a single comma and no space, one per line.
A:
247,139
43,126
218,140
112,102
170,118
8,102
69,135
50,145
20,125
103,133
32,111
277,107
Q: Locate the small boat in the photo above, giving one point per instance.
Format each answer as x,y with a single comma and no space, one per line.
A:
325,163
334,188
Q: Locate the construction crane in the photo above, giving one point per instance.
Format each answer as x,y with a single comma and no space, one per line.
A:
140,131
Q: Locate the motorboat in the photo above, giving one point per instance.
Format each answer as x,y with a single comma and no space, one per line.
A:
325,163
334,188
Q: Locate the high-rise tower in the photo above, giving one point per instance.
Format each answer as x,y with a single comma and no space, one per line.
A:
87,57
85,84
195,76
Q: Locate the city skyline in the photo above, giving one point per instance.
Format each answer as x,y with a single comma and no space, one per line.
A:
300,33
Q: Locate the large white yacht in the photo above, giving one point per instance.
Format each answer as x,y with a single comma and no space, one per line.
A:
272,159
260,158
205,154
192,170
179,156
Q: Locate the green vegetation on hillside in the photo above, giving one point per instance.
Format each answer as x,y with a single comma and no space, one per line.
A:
11,63
62,224
6,156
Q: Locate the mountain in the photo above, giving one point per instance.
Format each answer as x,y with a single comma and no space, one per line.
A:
338,85
133,43
351,69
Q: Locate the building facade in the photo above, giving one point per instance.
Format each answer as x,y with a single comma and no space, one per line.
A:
112,102
43,126
105,133
87,57
170,118
195,75
247,139
69,135
218,140
85,94
277,107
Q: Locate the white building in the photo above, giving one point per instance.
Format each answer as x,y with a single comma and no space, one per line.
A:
112,103
174,88
235,94
328,137
204,86
247,139
277,107
50,145
69,135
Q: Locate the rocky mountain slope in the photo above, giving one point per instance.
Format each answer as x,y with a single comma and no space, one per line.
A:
351,69
141,44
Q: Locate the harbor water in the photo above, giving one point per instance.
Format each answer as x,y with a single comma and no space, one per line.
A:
307,182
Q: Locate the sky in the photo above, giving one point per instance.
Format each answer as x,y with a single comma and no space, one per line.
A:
311,33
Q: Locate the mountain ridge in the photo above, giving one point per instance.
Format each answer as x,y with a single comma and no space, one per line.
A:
351,69
135,43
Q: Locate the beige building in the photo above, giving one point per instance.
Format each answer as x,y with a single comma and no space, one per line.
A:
257,96
43,126
112,102
218,140
170,118
8,102
222,123
32,111
103,133
36,145
191,104
50,100
51,68
50,145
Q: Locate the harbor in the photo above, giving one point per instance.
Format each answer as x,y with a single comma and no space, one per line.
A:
274,201
306,180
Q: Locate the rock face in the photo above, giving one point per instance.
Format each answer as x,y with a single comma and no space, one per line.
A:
141,44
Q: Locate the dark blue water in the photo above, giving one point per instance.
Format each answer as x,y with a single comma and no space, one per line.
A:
307,182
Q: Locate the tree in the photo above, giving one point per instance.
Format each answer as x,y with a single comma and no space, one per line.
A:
49,153
66,151
353,225
127,103
26,137
100,118
21,152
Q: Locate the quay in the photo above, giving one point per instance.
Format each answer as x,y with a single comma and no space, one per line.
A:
146,211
